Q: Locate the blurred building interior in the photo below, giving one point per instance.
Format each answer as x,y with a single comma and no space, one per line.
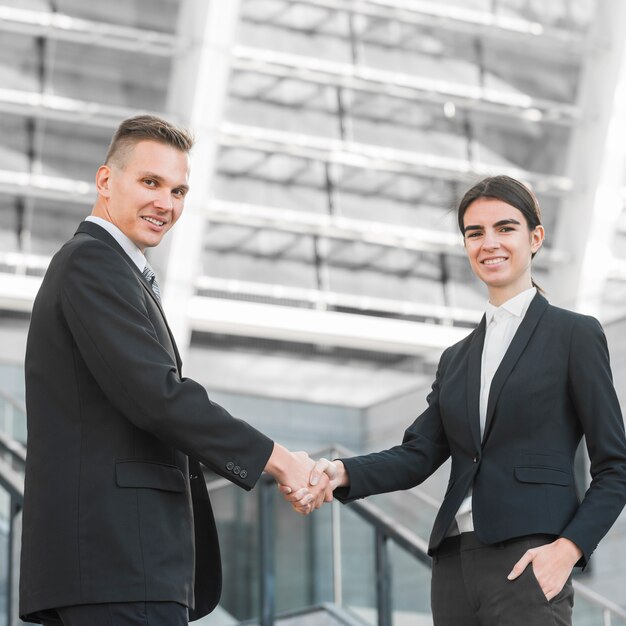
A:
318,273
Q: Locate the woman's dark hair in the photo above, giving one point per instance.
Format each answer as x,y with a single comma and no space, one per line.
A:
507,190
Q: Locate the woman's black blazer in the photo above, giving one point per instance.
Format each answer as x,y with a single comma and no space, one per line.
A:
553,386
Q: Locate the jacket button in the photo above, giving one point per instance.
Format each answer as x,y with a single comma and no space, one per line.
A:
476,459
237,469
243,474
229,466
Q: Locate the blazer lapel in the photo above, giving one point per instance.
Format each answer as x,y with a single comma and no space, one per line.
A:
100,233
521,338
474,361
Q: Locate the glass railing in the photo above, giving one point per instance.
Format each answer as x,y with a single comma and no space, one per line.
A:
359,558
357,561
591,609
12,460
12,416
11,502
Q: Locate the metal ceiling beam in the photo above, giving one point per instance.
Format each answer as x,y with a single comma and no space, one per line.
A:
17,293
329,299
268,321
444,15
401,86
22,263
67,28
257,216
15,290
343,228
72,110
362,156
48,187
333,227
345,330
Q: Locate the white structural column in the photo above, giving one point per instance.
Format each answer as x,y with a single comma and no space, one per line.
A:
197,95
590,212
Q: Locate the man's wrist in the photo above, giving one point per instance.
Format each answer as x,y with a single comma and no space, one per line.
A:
277,464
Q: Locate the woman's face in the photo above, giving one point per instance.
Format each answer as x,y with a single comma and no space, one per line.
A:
500,247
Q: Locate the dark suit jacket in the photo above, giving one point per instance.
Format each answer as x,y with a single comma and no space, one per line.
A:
114,509
553,385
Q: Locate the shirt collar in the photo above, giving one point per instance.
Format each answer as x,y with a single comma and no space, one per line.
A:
127,245
517,305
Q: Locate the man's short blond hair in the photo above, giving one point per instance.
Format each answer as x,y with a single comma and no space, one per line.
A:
146,128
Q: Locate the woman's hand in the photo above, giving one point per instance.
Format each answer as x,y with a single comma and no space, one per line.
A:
552,565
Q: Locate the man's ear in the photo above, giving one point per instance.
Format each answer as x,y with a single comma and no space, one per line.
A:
103,178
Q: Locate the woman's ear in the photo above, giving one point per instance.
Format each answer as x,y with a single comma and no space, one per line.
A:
536,238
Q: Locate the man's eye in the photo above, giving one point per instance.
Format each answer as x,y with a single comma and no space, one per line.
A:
149,182
472,234
179,192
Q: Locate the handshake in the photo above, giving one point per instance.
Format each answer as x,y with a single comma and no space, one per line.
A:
304,483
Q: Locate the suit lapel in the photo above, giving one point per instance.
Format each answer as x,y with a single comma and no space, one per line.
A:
474,360
101,234
520,340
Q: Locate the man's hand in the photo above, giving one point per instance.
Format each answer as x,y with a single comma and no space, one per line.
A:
292,471
552,564
332,474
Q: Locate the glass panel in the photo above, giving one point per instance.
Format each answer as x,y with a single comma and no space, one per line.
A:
408,509
5,508
303,558
586,613
410,588
236,515
12,420
358,561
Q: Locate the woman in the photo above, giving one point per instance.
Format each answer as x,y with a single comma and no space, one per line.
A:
509,404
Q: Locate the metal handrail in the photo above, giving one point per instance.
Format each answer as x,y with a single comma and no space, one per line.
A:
9,446
14,449
13,401
12,482
593,597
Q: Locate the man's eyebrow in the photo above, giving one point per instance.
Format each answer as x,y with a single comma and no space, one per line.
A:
496,225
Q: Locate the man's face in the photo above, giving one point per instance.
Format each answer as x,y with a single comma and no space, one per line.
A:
144,195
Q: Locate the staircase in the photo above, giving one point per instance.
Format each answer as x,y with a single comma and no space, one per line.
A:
352,565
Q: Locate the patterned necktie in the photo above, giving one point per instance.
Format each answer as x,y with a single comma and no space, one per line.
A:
149,275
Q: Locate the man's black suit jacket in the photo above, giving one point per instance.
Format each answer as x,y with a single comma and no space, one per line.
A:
115,508
553,385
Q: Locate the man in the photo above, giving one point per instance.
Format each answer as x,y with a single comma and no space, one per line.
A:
117,525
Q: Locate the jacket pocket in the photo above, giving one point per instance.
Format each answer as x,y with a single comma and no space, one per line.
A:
546,475
149,475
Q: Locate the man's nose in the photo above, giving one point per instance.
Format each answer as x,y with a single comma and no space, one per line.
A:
164,201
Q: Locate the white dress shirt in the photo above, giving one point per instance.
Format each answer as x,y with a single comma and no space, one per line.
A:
127,245
502,324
